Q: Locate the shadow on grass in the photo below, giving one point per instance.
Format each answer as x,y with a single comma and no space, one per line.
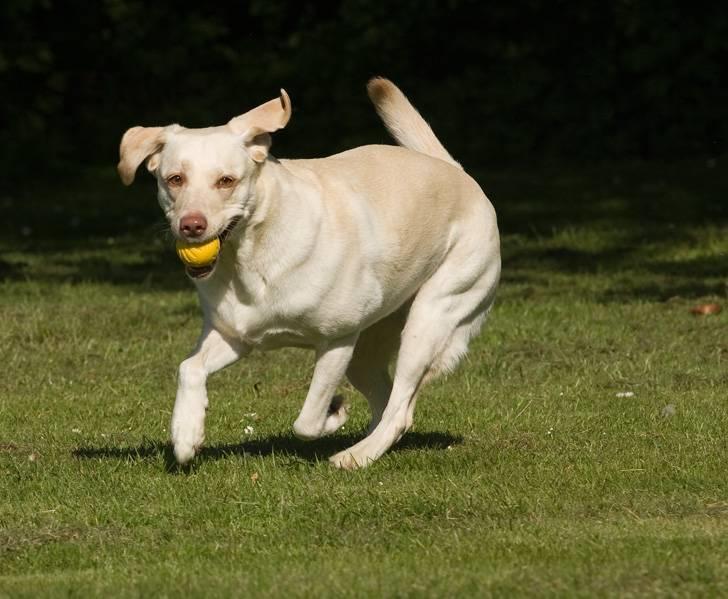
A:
284,445
638,275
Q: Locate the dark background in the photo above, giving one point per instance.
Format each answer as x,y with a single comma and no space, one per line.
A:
503,83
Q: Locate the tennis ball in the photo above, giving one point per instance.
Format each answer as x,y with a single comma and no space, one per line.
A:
198,254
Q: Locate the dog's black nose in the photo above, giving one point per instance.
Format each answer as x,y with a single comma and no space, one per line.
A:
193,224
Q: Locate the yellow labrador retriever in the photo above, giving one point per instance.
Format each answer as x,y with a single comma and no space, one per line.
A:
358,256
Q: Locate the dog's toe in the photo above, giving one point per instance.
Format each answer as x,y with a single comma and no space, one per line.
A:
348,460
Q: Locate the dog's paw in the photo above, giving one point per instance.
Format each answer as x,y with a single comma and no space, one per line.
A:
344,461
305,430
187,439
184,452
308,429
350,460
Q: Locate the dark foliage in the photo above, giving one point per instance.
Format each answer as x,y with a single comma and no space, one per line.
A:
523,81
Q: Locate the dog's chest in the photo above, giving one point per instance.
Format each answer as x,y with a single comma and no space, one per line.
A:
259,324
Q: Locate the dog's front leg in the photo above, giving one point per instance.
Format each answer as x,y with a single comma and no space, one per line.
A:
213,353
320,415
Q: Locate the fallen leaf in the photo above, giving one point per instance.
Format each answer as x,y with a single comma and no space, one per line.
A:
705,309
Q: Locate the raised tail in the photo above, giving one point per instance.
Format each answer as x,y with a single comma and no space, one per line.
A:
403,121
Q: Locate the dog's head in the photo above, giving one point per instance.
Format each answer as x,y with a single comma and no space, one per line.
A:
205,177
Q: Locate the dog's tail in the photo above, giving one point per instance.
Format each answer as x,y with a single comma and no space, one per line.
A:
403,121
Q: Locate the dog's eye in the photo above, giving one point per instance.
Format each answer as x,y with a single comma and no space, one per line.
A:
175,180
225,181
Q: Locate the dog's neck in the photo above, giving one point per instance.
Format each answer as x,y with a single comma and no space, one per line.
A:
285,207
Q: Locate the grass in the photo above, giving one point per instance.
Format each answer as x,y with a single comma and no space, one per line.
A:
526,473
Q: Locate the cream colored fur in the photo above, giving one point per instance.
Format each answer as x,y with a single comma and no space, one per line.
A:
377,252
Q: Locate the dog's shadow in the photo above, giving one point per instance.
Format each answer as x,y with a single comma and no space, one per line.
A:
284,445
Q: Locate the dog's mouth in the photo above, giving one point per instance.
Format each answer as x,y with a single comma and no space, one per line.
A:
202,272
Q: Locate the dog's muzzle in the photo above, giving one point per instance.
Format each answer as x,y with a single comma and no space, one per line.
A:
202,272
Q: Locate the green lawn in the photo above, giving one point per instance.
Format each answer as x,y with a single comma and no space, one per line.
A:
528,471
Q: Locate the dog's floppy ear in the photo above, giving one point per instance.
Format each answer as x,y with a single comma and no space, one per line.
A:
137,144
256,125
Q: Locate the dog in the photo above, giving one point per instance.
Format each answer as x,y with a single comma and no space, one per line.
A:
376,251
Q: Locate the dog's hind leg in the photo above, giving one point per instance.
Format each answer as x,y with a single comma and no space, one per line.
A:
434,337
322,414
368,370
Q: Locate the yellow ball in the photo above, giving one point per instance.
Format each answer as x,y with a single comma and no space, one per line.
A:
196,254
